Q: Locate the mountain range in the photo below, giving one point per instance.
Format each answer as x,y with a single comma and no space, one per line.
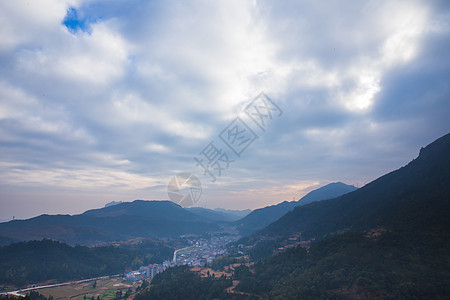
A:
260,218
149,219
412,198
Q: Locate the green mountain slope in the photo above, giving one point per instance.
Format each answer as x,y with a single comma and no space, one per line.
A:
392,265
38,261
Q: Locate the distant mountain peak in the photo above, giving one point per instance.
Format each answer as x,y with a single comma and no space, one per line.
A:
113,203
262,217
329,191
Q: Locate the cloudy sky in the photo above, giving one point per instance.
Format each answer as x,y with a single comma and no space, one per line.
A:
107,100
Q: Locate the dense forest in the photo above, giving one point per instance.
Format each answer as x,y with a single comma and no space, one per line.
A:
387,265
180,283
150,250
39,261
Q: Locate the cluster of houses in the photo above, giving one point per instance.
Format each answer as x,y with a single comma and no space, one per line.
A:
144,272
198,254
148,272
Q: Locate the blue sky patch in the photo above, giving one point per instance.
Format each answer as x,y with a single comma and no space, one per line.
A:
73,22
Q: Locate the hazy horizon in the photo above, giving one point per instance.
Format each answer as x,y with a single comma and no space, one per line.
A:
129,201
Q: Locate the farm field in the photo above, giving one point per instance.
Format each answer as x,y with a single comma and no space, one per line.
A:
105,289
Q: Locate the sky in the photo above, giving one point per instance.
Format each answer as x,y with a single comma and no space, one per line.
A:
108,100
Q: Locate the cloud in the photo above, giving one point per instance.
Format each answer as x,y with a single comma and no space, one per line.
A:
96,58
23,21
121,96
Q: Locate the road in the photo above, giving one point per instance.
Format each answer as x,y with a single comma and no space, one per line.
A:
176,251
18,293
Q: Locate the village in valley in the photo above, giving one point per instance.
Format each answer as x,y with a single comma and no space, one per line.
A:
198,253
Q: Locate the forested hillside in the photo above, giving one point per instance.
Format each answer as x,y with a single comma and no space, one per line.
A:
180,283
38,261
393,265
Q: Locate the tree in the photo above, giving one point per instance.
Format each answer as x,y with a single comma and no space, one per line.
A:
128,293
118,294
